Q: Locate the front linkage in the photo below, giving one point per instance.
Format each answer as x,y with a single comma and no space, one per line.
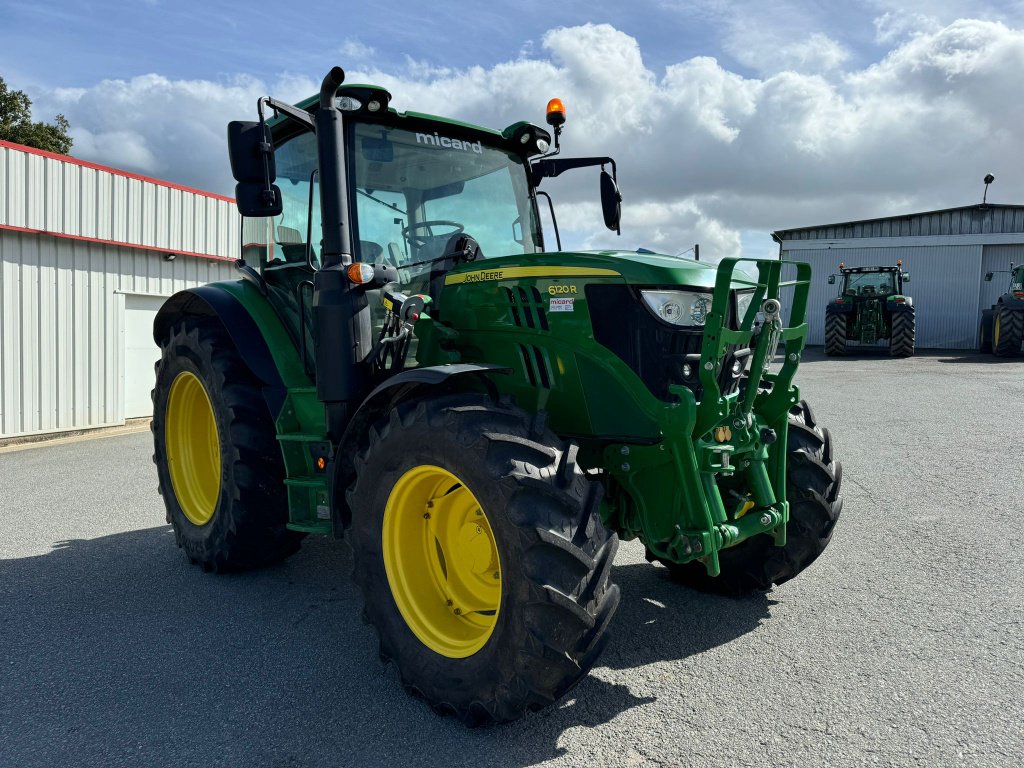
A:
670,494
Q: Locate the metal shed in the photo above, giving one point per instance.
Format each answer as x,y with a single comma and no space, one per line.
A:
947,253
87,256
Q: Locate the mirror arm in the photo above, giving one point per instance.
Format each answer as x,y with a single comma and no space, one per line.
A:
554,221
300,116
551,167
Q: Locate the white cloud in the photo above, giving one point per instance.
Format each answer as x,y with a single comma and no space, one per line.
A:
354,49
704,153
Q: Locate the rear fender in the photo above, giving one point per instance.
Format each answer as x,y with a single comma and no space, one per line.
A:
846,308
225,304
1010,301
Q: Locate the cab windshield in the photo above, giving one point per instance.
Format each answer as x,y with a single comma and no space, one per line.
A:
869,284
414,192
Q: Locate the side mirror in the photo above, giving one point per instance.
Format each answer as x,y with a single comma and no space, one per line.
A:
251,151
611,202
988,277
906,278
831,279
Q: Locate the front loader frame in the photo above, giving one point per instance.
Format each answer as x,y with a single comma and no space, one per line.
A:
668,494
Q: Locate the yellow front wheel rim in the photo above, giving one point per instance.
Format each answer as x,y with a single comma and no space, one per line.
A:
193,448
995,332
441,561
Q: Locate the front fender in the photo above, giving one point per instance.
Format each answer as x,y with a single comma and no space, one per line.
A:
402,386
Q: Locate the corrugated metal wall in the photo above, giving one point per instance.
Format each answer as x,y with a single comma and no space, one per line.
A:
62,316
945,282
49,194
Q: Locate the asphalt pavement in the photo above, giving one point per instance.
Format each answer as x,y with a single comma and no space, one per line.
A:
903,644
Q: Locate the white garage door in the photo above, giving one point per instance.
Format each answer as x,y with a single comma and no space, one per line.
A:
140,353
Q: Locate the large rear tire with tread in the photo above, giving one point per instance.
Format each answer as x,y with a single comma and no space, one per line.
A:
813,480
219,466
1007,331
835,335
550,556
904,333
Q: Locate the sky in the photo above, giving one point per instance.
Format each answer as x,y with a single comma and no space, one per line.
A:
728,119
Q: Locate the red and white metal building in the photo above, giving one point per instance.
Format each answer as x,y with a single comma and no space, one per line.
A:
87,256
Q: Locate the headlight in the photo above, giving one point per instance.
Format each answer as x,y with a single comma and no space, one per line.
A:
743,299
679,307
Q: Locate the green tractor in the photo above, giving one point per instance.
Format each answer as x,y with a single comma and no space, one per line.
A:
870,307
408,368
1002,326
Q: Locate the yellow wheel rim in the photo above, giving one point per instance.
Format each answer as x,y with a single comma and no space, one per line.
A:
995,332
441,561
193,448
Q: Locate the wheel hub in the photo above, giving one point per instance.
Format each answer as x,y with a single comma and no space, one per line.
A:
442,561
193,448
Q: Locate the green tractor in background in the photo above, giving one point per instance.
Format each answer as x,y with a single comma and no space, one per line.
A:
406,367
1002,326
870,307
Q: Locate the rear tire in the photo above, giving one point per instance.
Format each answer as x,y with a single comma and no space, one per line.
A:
813,480
903,334
217,458
552,557
835,335
1007,331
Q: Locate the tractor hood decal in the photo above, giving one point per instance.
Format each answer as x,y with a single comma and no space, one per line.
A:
513,273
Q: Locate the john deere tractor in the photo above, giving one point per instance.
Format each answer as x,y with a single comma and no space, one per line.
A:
1002,326
870,307
406,366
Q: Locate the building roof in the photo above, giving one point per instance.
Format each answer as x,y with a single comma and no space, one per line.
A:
991,218
43,193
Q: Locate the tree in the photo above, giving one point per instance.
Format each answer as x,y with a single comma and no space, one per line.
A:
16,124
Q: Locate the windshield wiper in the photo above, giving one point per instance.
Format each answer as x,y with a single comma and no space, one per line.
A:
391,206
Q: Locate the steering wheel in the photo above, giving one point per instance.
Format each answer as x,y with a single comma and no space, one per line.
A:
418,241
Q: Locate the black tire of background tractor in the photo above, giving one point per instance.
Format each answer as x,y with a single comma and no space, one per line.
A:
904,333
1011,332
248,526
556,556
985,331
835,335
813,480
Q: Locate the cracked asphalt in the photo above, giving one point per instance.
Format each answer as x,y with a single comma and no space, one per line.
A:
902,646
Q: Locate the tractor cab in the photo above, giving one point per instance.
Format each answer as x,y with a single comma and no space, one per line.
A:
422,195
871,282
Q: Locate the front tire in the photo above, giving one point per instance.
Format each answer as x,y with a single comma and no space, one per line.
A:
1007,331
813,480
985,332
218,463
481,556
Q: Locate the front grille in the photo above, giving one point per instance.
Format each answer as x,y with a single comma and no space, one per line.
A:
655,351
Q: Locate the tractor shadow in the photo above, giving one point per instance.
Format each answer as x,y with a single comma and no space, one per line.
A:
982,358
118,651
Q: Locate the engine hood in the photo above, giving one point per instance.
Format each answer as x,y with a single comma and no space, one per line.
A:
631,267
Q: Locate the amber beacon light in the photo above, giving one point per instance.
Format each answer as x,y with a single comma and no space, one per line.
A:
556,113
